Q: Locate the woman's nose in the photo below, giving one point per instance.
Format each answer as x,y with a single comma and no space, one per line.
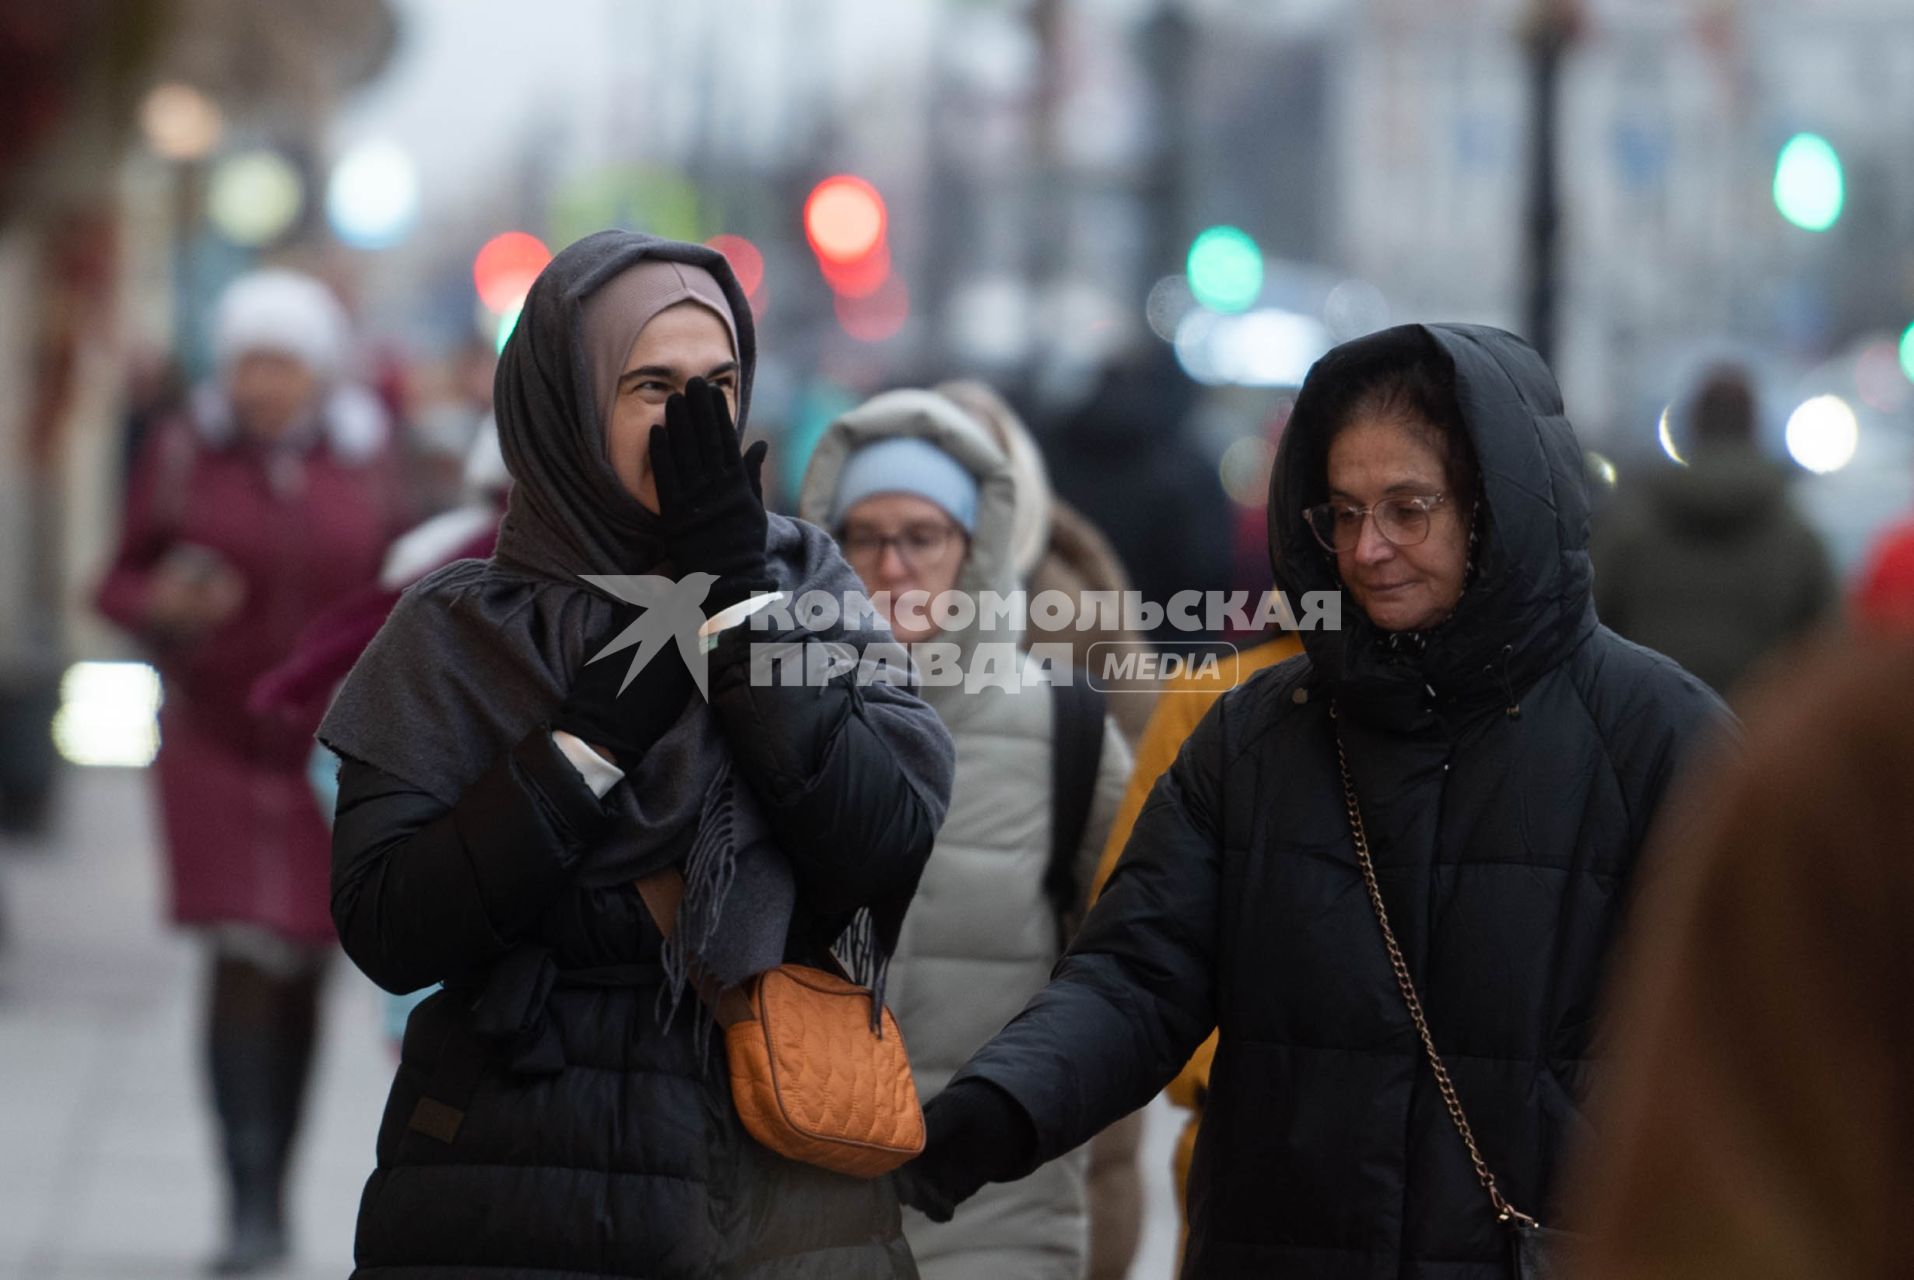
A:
891,564
1371,546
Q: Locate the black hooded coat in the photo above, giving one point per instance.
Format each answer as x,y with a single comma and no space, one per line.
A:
546,1119
1504,841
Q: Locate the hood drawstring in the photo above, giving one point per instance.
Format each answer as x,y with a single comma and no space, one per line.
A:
1500,670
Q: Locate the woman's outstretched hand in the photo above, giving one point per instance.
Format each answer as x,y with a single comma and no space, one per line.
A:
710,497
973,1133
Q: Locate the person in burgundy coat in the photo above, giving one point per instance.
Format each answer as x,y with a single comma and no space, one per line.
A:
267,502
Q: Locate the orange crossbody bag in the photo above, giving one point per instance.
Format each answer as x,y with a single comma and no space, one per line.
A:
811,1078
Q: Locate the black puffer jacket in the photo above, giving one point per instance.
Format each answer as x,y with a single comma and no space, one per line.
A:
591,1142
1505,845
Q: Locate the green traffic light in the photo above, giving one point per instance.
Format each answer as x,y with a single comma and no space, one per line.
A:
1226,270
1809,189
1907,353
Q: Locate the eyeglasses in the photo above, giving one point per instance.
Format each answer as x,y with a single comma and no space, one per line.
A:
1402,522
917,545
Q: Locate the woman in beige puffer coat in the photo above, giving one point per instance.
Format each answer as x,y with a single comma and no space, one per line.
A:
981,935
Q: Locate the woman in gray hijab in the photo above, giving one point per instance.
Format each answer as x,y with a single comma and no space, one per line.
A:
520,744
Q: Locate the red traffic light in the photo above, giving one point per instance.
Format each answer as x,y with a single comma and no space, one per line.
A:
746,262
504,269
844,219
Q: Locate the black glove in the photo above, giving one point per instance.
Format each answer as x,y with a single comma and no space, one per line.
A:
627,724
973,1133
710,499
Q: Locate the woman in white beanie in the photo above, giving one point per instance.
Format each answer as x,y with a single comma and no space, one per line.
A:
271,499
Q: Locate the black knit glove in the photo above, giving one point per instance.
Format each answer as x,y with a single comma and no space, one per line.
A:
710,499
626,723
973,1133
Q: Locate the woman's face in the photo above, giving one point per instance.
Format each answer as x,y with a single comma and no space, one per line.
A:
899,542
269,391
682,342
1399,588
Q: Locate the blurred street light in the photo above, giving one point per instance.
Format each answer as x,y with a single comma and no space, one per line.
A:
180,122
1907,352
844,220
1809,188
254,197
1665,433
373,197
747,263
1822,434
1225,270
505,267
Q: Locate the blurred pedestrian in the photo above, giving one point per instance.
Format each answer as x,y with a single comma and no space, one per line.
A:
561,1107
1126,460
1710,563
1471,757
1754,1123
923,500
271,499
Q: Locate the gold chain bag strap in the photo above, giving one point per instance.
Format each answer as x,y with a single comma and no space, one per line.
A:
812,1080
1531,1246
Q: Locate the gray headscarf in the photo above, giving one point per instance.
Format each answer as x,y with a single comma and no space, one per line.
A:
477,655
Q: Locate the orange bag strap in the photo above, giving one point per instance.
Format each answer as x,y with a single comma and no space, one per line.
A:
662,891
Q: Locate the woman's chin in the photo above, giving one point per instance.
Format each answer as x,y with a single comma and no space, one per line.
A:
1401,615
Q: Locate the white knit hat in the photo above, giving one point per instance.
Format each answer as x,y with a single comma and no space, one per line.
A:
284,311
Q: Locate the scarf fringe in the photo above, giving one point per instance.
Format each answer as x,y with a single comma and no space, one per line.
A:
710,868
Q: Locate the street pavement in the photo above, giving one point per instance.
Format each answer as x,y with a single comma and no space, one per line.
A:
107,1164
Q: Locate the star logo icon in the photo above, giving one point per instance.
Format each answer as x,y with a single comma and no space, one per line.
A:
673,612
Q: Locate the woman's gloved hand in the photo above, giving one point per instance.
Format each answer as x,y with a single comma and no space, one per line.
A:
973,1133
710,498
625,720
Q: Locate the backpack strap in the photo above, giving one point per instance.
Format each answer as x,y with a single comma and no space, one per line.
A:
1076,751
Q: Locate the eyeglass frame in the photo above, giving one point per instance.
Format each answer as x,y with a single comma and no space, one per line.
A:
1433,501
884,542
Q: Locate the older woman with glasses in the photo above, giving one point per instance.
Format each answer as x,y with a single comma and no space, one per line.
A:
1388,871
923,500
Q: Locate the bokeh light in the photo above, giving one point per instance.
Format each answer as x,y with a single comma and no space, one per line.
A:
844,219
1907,352
108,714
859,277
504,269
1601,468
746,262
1823,434
180,122
878,317
1665,434
372,199
1169,301
1225,270
1809,189
253,197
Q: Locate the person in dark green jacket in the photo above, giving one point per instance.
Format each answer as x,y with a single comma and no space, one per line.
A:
1708,562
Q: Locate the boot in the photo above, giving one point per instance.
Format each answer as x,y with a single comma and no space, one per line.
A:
254,1152
252,1069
